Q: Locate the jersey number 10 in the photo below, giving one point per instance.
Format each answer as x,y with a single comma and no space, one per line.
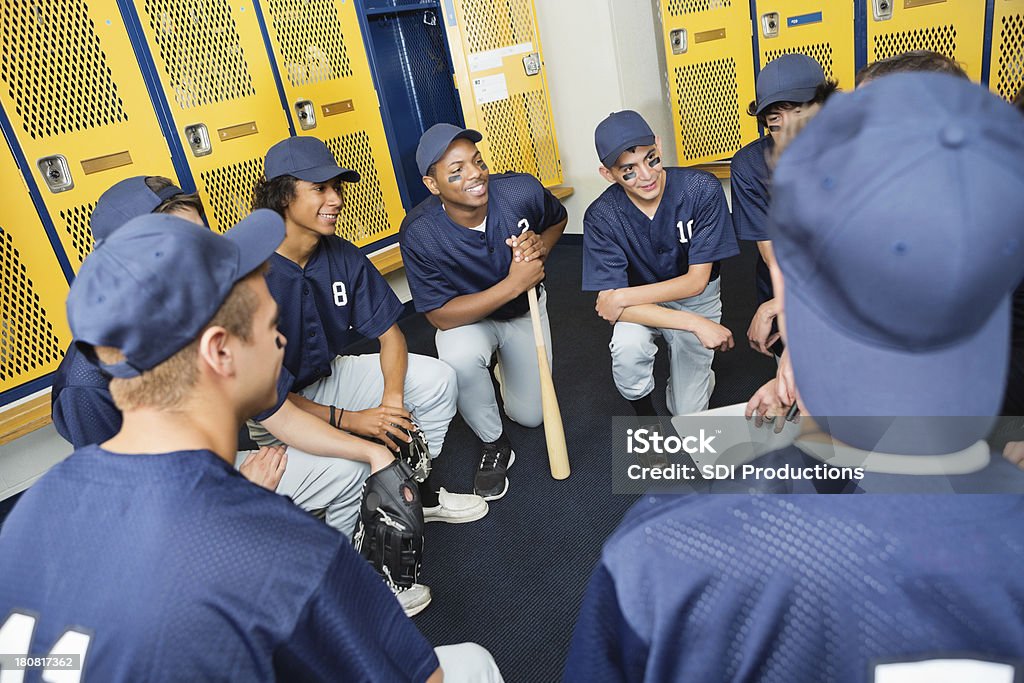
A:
685,234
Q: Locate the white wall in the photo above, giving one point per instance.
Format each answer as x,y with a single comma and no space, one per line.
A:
601,56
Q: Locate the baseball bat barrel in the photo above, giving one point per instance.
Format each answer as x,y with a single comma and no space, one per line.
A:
554,432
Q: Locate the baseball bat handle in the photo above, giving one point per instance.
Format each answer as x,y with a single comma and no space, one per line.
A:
554,431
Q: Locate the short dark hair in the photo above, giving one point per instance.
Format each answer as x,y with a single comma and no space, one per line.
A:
914,60
824,91
275,194
1018,101
157,183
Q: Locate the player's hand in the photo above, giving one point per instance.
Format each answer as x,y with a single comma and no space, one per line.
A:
527,246
759,334
714,336
1014,452
266,466
764,406
524,275
381,423
608,305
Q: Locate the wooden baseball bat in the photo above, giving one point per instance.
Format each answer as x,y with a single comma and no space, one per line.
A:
554,433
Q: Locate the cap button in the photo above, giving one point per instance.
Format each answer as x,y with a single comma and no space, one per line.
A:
952,135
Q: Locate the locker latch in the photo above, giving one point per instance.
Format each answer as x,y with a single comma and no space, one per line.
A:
198,138
531,63
677,39
882,9
56,173
306,114
770,24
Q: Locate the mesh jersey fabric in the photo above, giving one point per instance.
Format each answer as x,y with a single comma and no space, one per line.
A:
623,247
337,291
176,568
750,183
444,260
801,588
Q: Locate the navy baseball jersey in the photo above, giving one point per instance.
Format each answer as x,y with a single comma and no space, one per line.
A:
337,292
751,182
444,260
804,589
622,247
172,567
83,409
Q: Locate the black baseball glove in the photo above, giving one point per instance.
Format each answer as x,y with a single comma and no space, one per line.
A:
390,529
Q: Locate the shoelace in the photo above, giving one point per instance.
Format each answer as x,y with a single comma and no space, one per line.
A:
490,459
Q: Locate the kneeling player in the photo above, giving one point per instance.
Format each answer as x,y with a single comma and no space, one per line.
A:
655,237
471,252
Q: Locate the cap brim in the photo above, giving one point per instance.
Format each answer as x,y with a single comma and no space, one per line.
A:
839,375
794,95
640,141
464,134
257,236
321,174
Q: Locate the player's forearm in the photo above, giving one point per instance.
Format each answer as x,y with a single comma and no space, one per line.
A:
764,247
552,234
312,407
653,315
470,308
394,361
295,427
683,287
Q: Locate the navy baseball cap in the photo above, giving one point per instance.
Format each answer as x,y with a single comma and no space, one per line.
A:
126,200
435,141
896,219
789,78
159,280
620,131
306,158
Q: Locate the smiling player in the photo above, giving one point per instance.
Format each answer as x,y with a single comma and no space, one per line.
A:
651,246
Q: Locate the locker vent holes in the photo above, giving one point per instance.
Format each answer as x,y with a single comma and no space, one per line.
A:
941,39
199,45
27,340
52,47
1010,73
229,189
491,24
708,109
364,215
678,8
822,52
76,223
311,38
519,136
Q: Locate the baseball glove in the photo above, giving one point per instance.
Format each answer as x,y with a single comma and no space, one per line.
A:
415,454
389,534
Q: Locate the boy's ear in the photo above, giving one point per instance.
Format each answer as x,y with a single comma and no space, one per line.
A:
215,353
606,173
431,184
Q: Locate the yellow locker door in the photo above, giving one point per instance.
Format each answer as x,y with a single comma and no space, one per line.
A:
1006,77
321,59
33,329
955,28
79,108
502,82
817,28
709,53
217,78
